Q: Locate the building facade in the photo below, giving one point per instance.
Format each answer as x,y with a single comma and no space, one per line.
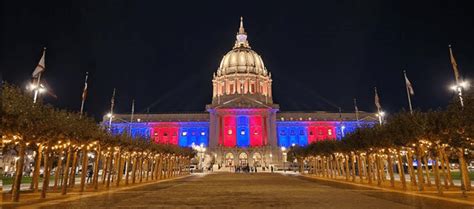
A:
242,125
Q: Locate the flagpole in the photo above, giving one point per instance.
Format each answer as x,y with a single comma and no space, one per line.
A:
84,92
408,92
38,81
340,122
131,116
35,97
459,85
377,103
112,101
356,111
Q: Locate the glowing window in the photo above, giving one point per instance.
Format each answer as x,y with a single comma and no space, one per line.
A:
242,132
184,133
229,132
156,134
203,133
329,132
255,133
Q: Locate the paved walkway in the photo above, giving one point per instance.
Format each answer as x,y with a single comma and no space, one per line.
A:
262,190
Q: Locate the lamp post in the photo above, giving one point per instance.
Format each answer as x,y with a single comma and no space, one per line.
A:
380,115
458,88
37,89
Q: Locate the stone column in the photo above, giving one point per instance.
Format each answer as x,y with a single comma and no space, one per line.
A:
213,129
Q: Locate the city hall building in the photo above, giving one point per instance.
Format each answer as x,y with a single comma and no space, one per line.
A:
242,125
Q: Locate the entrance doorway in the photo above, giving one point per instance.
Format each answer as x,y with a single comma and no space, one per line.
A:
229,159
257,159
243,159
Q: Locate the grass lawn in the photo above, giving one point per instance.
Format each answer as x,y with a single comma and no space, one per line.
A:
457,175
25,180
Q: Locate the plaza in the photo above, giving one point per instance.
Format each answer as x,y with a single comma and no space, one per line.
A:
261,190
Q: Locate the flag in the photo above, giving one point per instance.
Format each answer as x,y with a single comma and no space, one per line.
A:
455,65
408,84
84,92
41,66
133,110
377,100
355,106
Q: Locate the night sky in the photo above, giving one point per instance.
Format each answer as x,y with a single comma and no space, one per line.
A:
163,54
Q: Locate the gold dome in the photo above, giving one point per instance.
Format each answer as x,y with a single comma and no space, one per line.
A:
241,59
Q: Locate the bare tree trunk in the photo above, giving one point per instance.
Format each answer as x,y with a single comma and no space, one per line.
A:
110,170
378,169
420,168
353,173
48,162
119,170
58,168
427,170
465,181
437,180
134,170
360,167
160,168
36,172
411,169
129,160
147,162
106,168
72,179
448,167
95,179
85,160
19,172
401,169
443,167
369,170
390,169
141,170
346,162
66,171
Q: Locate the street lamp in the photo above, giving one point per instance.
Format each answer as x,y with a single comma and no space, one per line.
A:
464,85
37,89
380,115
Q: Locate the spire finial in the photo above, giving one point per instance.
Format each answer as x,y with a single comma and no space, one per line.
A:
241,36
241,29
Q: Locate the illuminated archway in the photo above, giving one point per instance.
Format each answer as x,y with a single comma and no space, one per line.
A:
229,159
257,159
243,158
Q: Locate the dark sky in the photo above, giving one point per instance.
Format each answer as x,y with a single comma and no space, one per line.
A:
321,55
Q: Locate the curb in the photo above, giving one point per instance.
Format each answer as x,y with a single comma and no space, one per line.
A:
393,190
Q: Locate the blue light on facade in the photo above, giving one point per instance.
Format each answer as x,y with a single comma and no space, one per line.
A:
243,137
